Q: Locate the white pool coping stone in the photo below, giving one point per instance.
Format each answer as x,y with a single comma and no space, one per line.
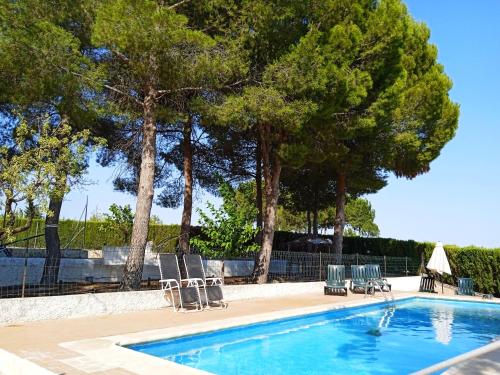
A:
110,351
11,364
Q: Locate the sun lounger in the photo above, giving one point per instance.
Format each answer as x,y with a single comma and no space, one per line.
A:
466,288
372,272
335,282
187,289
210,287
358,279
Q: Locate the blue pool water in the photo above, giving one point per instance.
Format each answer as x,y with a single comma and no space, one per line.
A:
362,340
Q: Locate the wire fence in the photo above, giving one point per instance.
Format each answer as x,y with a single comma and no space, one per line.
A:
301,266
30,275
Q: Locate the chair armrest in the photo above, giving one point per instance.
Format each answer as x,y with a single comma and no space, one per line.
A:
194,282
171,283
215,280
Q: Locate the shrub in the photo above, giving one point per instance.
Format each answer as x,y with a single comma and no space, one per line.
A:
228,231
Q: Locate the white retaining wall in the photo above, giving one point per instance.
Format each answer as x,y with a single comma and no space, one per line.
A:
17,310
110,269
70,270
12,270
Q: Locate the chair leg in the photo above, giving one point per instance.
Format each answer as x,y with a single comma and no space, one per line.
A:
173,300
207,303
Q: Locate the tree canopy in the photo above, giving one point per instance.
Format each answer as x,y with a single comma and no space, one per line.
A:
317,102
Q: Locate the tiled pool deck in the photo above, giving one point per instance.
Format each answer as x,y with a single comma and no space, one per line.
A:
79,346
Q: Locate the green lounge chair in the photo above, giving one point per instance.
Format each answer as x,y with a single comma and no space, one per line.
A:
335,282
373,273
465,286
358,279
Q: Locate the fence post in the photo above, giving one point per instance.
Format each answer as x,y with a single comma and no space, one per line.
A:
36,235
385,266
222,269
320,266
357,260
25,269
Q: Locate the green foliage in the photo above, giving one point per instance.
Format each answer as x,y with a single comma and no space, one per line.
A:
482,265
309,187
164,237
364,245
288,220
120,219
151,41
229,230
39,57
155,220
353,86
265,106
360,218
31,168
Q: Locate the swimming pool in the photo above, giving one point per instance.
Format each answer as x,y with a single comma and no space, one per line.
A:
361,340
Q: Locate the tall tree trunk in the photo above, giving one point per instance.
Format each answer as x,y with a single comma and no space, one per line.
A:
315,211
309,226
339,223
258,190
187,148
52,240
258,183
272,172
145,192
315,221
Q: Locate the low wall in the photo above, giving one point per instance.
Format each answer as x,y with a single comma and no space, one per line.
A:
12,271
16,310
405,284
22,252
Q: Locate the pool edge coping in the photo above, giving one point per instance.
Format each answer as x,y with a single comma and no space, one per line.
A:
112,348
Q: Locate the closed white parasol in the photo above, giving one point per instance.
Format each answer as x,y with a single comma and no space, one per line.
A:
439,262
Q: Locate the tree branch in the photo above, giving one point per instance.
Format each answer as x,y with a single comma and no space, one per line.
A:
140,102
178,4
104,85
121,56
162,93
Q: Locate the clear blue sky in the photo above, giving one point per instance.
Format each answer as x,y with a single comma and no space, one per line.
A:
457,202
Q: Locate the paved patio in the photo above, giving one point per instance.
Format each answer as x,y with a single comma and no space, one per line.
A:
40,342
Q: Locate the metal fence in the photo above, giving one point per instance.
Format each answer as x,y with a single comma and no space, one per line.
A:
31,276
35,280
301,266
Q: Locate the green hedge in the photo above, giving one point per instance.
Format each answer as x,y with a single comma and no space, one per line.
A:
482,265
362,245
96,236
